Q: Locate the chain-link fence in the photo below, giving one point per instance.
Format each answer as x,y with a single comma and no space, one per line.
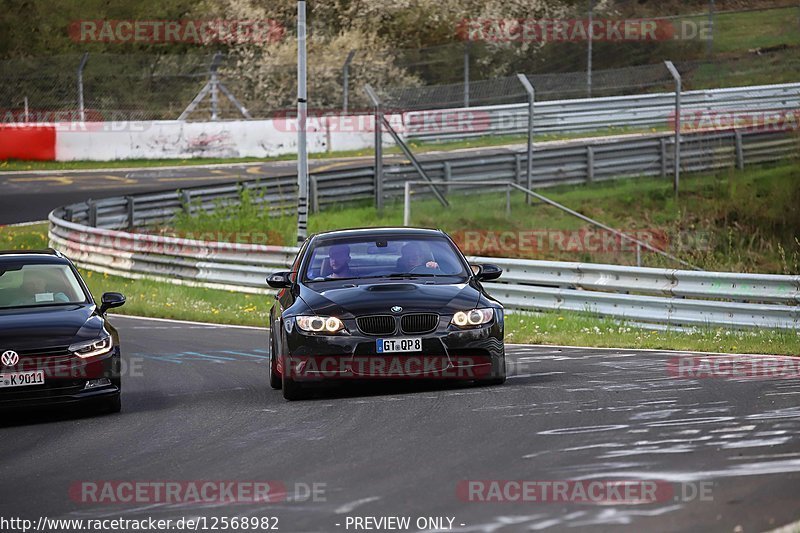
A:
465,73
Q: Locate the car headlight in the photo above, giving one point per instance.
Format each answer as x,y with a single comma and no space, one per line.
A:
93,348
320,324
473,317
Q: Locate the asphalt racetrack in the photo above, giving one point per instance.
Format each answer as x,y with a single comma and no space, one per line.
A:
197,406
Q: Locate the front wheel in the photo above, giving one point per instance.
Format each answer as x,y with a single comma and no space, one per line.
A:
111,405
292,390
274,378
498,375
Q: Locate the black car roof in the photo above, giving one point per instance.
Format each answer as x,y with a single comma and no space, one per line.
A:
378,232
40,257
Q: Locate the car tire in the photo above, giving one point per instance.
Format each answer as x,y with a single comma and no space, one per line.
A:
112,405
291,389
498,375
275,380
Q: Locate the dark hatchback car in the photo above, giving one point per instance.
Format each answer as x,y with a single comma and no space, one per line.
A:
56,345
387,303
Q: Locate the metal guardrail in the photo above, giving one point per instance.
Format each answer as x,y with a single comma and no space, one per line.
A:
664,296
563,163
593,114
88,232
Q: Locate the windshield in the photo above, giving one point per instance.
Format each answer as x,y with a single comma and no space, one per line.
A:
392,257
38,285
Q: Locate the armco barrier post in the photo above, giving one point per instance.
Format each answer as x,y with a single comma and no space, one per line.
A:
130,210
92,212
677,76
739,149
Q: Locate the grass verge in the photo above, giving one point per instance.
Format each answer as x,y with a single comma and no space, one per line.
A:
164,300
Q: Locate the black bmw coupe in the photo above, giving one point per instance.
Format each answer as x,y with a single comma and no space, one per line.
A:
387,303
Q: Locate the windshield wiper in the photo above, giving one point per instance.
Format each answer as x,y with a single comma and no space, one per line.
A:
410,275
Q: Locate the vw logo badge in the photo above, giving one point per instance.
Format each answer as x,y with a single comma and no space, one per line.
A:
9,358
396,309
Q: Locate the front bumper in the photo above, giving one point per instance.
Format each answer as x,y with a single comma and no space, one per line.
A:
66,380
447,353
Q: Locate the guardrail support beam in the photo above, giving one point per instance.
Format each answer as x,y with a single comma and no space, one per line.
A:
130,208
739,150
92,212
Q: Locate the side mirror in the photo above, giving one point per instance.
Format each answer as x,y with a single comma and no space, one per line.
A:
110,300
487,272
279,280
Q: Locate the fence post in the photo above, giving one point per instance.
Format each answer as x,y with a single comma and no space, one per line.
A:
215,87
589,164
589,51
711,27
82,65
466,73
346,80
130,208
739,150
677,76
378,147
531,97
302,111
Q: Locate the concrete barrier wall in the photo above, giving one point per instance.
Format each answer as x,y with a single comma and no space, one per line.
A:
184,140
172,139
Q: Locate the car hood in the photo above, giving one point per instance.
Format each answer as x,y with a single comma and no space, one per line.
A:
28,328
360,298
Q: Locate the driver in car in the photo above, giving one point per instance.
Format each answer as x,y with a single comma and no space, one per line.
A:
34,287
339,260
411,257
